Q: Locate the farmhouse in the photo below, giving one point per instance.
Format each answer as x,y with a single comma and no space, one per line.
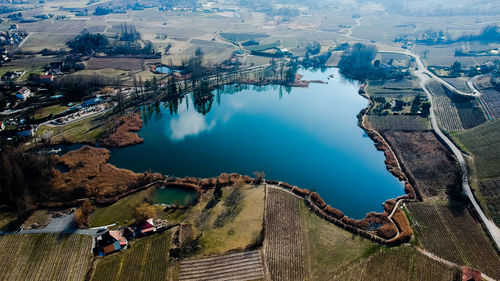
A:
46,78
147,227
469,274
109,242
24,93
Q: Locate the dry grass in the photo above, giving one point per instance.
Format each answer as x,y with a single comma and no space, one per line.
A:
90,174
124,132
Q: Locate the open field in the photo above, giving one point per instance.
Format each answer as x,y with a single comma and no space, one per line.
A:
147,259
451,232
239,266
429,165
491,98
121,212
44,257
398,122
284,247
46,111
482,143
240,231
490,192
125,64
87,130
52,41
460,83
402,263
330,247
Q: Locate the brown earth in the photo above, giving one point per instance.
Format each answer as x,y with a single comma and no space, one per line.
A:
124,132
430,166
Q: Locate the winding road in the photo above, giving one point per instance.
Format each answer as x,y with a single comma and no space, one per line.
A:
425,76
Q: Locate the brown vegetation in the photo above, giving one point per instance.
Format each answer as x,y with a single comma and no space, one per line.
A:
124,133
89,175
82,214
405,231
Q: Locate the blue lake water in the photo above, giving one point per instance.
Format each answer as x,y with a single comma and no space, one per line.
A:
305,136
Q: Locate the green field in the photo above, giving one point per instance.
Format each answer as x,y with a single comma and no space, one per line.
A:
121,212
45,257
482,143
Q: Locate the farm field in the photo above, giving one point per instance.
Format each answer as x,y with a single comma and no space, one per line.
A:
242,230
490,191
125,64
491,98
46,111
45,257
482,143
451,232
460,83
330,247
52,41
86,130
429,165
241,266
147,259
284,247
401,263
398,122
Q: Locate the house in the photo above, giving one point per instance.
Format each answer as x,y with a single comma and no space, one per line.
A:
2,126
470,274
109,242
147,227
24,93
118,235
46,78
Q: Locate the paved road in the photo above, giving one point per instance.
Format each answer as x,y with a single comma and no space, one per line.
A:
63,225
424,75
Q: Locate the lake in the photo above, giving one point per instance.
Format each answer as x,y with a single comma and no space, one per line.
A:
305,136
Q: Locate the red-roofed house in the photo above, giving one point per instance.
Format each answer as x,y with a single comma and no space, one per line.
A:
46,78
470,274
148,227
118,235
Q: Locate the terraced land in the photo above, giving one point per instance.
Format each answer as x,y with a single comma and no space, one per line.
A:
284,241
398,122
491,98
147,259
396,264
44,257
236,266
451,232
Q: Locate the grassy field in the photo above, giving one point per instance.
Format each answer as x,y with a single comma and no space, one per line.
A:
147,259
240,232
452,233
86,130
121,212
6,218
401,263
46,111
330,247
482,143
428,164
44,257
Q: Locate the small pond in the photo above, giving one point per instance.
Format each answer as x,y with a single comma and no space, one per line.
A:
174,196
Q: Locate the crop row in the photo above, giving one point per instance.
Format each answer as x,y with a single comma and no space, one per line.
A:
44,257
147,259
403,263
491,98
452,233
284,241
447,114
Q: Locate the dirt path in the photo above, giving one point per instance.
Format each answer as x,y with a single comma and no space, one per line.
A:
447,262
